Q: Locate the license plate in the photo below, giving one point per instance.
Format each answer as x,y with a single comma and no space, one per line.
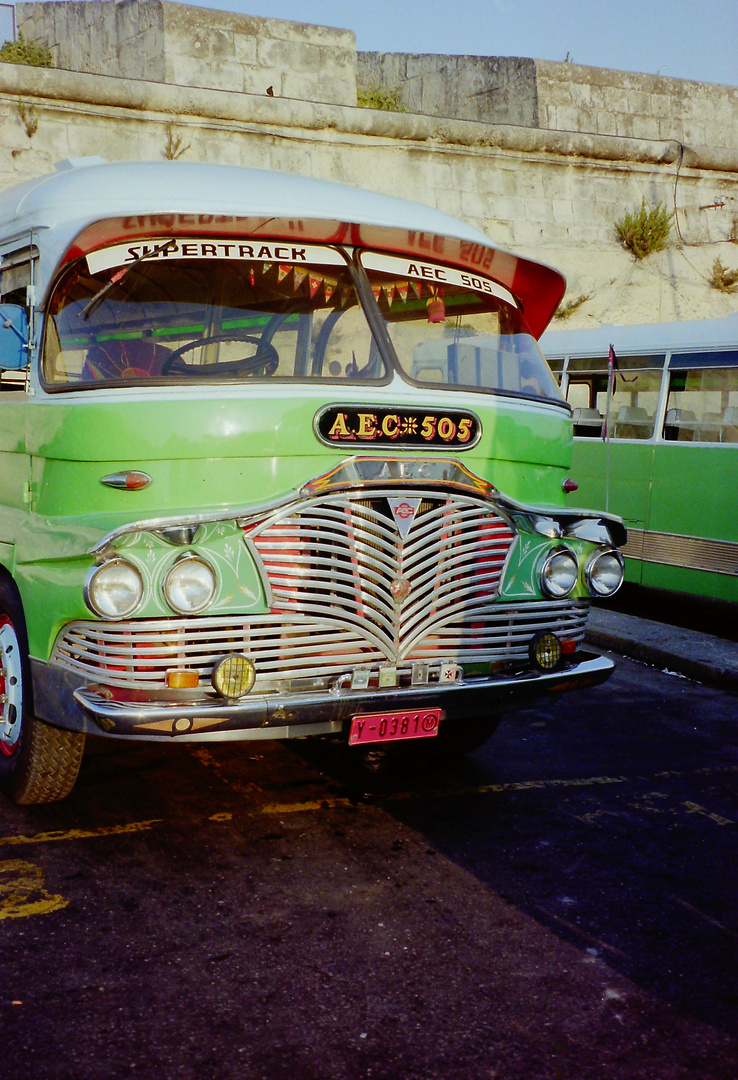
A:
391,726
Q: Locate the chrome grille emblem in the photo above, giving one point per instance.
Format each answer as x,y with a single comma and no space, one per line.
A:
399,590
403,511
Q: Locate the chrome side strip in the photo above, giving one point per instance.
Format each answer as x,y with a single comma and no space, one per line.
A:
689,552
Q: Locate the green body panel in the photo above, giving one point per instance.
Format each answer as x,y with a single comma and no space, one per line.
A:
682,490
213,453
694,490
629,478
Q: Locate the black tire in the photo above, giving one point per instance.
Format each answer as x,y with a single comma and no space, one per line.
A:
38,763
465,735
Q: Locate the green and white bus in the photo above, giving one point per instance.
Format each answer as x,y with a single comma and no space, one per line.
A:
658,444
234,506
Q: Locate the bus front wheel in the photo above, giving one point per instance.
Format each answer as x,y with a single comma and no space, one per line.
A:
38,763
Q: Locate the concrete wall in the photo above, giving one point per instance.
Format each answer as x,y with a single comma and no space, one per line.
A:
191,46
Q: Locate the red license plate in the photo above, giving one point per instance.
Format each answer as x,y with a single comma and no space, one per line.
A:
391,726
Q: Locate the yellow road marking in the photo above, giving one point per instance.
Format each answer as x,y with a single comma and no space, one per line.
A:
695,808
82,834
23,891
435,793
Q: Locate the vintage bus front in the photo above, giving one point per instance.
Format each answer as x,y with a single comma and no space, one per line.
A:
292,475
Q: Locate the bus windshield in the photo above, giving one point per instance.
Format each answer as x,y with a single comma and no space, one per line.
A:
184,310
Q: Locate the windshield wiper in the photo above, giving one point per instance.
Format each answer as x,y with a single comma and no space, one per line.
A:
163,249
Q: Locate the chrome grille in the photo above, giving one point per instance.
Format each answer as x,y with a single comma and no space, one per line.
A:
140,652
339,557
332,564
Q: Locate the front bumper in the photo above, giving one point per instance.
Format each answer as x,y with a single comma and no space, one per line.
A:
60,700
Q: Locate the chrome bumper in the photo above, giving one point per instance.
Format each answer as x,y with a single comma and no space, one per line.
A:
149,715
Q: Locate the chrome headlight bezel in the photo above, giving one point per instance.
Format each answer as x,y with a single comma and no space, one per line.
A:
594,563
173,589
556,561
100,583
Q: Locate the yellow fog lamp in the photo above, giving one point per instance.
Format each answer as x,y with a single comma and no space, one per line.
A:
233,675
545,651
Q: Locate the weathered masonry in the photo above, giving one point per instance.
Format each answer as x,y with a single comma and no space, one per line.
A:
544,157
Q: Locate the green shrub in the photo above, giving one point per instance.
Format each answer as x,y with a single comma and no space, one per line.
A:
722,279
387,98
21,51
645,231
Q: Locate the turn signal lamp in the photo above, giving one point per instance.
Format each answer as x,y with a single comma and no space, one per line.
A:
182,680
545,651
233,676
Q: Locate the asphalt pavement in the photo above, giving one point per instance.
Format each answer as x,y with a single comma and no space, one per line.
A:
707,658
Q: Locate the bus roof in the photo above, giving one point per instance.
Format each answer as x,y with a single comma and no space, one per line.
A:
648,338
61,206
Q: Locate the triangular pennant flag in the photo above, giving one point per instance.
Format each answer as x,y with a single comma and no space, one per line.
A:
283,271
402,288
300,276
315,284
415,286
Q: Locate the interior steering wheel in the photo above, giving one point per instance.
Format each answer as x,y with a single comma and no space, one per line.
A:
266,357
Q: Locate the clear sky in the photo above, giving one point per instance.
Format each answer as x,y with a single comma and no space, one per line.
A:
686,39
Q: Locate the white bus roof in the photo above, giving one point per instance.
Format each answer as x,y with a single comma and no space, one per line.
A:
689,335
61,206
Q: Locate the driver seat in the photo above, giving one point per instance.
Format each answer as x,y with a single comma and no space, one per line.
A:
133,359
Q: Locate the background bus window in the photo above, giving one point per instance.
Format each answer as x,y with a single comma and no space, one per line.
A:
634,399
702,405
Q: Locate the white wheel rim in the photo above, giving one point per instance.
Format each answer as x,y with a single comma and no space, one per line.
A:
11,689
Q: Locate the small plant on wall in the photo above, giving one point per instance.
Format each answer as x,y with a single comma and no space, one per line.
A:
723,279
29,118
33,53
173,147
567,309
644,231
386,98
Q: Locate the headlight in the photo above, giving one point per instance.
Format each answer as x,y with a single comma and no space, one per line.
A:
604,572
114,590
559,573
190,585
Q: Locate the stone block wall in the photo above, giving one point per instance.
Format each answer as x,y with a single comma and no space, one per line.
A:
549,177
632,105
124,39
490,89
558,96
191,46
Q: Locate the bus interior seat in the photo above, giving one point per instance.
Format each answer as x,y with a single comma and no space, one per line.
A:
678,425
124,359
587,423
632,422
729,429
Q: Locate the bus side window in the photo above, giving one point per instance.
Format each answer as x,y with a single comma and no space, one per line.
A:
702,405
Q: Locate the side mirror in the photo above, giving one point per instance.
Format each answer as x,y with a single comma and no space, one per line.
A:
13,337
